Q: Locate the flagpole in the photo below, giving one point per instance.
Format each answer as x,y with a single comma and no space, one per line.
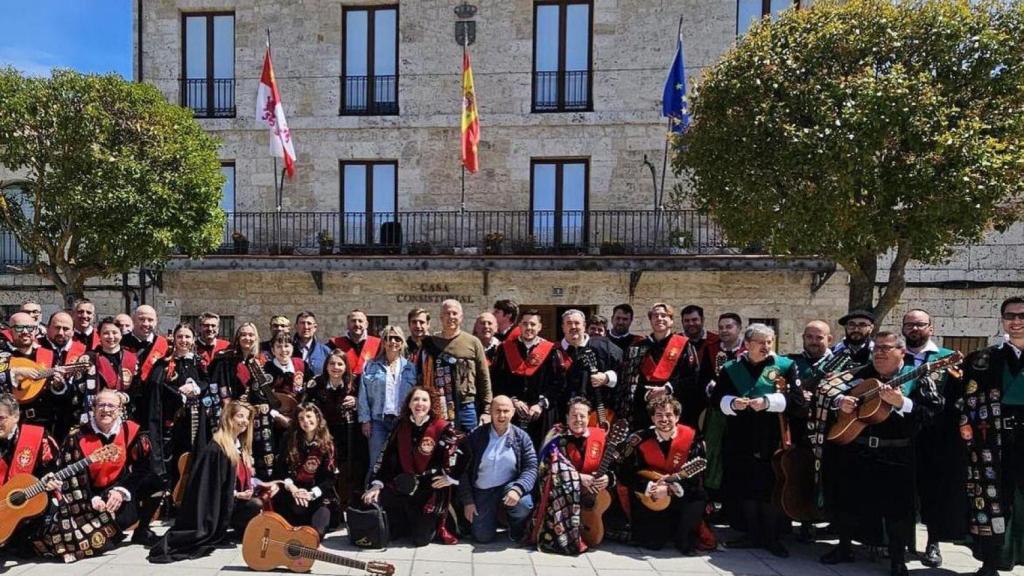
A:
278,183
659,197
462,205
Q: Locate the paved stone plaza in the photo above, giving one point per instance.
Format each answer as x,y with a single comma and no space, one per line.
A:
500,559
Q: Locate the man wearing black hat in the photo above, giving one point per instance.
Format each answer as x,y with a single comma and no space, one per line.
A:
859,325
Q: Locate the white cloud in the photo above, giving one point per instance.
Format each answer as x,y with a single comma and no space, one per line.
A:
29,61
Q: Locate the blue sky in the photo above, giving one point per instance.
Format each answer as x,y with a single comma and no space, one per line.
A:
85,35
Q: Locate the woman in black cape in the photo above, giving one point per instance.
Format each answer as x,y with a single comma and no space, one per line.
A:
221,491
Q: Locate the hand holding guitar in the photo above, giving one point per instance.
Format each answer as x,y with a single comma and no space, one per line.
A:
848,404
892,396
598,379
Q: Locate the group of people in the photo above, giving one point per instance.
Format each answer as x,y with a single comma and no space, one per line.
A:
652,439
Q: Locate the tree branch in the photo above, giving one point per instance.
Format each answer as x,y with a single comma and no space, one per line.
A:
897,280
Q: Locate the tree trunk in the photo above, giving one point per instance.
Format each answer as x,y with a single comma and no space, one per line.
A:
864,276
863,272
897,281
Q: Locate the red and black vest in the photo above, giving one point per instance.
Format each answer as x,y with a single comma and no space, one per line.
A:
356,358
593,450
678,451
415,459
103,474
662,370
528,366
26,453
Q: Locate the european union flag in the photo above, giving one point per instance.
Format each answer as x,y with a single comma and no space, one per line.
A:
673,100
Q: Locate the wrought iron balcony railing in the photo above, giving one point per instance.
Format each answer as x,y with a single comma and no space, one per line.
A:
561,91
209,99
369,95
611,232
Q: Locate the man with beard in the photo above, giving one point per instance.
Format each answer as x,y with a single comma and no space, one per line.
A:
305,345
65,350
359,347
45,408
453,368
149,347
419,328
597,326
278,324
208,344
859,325
882,458
667,366
525,370
588,369
85,328
485,328
622,320
705,343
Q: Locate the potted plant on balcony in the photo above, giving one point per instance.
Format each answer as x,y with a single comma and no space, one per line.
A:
493,242
326,242
527,245
680,242
240,242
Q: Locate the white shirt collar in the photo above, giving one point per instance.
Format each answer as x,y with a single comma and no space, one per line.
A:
354,339
531,343
114,430
287,368
566,345
613,334
739,344
929,346
657,434
1007,342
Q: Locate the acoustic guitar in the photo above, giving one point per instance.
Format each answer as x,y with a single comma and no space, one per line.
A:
870,407
691,468
27,389
185,460
593,507
271,542
24,495
602,416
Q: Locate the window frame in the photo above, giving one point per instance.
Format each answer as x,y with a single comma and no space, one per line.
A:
234,186
557,239
369,235
560,105
372,108
766,11
210,88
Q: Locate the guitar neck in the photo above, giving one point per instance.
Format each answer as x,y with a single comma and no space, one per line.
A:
62,475
330,558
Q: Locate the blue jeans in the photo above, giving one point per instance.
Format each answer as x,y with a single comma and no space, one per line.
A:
485,524
465,417
379,432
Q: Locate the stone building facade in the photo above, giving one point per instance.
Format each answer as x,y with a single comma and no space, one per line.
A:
627,46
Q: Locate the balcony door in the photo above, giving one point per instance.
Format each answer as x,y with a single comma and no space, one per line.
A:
369,199
559,202
208,64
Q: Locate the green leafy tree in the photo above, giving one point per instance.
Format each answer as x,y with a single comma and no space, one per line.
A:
111,176
857,129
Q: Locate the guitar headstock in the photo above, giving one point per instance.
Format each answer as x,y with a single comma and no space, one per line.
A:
618,433
949,361
108,453
695,466
378,567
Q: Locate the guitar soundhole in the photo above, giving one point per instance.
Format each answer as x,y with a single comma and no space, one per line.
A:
293,550
18,498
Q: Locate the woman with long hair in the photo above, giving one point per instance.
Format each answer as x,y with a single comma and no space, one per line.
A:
386,380
112,367
309,472
412,479
222,491
231,372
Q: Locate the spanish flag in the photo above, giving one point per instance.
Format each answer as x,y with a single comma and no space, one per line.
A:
470,118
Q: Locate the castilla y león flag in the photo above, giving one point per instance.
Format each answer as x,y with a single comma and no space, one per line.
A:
470,118
269,111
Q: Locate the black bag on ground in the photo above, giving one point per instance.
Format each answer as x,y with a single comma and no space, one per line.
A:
367,526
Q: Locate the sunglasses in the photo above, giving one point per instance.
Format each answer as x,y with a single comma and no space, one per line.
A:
394,339
23,328
1013,316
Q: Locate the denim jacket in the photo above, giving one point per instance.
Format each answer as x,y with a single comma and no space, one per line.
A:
374,384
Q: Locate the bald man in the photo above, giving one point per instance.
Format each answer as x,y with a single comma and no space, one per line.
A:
149,347
43,409
59,340
501,472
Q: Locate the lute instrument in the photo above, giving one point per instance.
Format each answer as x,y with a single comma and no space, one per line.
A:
793,466
601,416
27,389
271,542
689,469
192,406
871,409
593,507
24,495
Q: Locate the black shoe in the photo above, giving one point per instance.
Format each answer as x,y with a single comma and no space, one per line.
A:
145,536
777,549
742,542
987,570
898,569
838,555
932,557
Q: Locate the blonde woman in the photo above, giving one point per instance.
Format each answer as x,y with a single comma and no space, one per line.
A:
222,491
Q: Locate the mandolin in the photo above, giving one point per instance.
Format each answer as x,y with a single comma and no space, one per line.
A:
27,389
271,542
870,407
24,496
691,468
593,507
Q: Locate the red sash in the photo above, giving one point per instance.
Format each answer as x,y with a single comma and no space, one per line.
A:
44,356
103,474
243,374
25,454
526,366
356,360
412,459
110,376
156,352
677,452
593,450
207,352
75,352
711,342
243,474
662,371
